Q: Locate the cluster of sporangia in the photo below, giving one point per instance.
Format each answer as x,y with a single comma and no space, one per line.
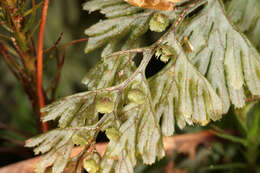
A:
104,104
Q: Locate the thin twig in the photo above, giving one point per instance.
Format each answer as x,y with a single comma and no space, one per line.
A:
40,93
31,10
12,65
66,44
17,71
137,50
60,61
96,126
56,79
55,44
75,41
19,51
33,50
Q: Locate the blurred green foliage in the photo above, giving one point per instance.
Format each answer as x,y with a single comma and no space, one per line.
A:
63,16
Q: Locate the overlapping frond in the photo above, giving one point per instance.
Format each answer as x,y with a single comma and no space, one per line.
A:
223,55
214,67
246,15
123,20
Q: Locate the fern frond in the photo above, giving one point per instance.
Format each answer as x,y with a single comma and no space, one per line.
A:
246,15
123,20
220,68
223,55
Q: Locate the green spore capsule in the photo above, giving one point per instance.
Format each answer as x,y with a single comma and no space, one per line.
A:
78,140
105,105
136,96
112,133
91,165
158,22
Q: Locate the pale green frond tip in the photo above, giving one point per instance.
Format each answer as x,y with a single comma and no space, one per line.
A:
158,22
113,134
105,105
91,166
78,140
136,96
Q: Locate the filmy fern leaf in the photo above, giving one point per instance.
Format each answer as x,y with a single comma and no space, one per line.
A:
123,20
223,55
246,15
110,71
58,144
188,94
198,84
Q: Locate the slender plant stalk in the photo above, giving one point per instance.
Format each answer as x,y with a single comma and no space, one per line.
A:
40,93
60,61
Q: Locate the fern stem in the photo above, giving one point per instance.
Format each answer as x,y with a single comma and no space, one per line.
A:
92,127
40,93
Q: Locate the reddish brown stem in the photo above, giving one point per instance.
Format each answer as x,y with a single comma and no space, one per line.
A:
58,40
20,75
19,51
40,93
60,61
10,62
74,42
66,44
